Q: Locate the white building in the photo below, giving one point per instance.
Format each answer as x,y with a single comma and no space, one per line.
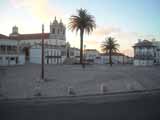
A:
157,51
144,53
91,55
94,56
25,48
9,52
52,54
72,56
74,53
117,58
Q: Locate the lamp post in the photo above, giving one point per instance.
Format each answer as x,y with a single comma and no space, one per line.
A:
84,52
42,70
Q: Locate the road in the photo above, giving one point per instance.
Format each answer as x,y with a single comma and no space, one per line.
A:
125,106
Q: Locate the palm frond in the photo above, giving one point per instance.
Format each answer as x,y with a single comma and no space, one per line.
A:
110,45
82,20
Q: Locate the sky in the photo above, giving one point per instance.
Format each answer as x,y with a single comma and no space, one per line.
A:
125,20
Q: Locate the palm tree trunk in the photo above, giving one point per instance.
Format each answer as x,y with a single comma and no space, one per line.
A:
110,57
81,46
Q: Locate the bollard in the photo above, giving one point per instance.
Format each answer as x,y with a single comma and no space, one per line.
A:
71,91
37,90
103,88
130,87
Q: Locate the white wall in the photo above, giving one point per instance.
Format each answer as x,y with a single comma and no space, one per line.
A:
8,42
115,59
6,62
21,59
35,55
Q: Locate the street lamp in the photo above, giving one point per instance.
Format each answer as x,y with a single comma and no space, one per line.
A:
84,51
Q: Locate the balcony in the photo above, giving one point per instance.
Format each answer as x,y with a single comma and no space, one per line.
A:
8,52
144,57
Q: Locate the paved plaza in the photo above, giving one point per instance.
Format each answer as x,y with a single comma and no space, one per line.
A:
24,81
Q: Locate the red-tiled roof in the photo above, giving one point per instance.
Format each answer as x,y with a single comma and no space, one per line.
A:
144,43
116,54
29,36
90,50
3,36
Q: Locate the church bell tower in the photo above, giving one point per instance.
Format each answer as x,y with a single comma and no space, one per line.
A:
57,30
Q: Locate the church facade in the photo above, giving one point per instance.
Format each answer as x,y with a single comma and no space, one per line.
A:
26,48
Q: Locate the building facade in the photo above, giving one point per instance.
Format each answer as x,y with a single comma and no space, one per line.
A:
91,55
95,57
26,48
157,51
9,52
117,58
144,53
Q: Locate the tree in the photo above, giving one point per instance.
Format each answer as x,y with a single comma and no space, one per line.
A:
83,22
109,46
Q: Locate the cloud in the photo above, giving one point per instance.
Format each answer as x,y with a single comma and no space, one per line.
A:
38,8
45,11
128,52
125,39
101,31
94,40
91,43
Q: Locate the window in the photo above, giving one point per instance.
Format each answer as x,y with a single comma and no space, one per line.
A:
58,31
63,31
71,53
7,58
63,53
53,30
12,58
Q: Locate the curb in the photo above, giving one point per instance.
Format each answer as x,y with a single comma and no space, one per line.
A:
85,98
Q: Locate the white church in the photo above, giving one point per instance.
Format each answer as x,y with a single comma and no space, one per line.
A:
26,48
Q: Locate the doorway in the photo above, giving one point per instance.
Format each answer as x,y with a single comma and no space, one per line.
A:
26,52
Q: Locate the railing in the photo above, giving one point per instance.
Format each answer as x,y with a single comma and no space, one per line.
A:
8,52
148,57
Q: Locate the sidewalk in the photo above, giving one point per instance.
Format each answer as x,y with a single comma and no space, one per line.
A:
23,81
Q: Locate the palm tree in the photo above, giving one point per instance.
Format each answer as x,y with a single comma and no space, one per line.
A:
83,22
110,46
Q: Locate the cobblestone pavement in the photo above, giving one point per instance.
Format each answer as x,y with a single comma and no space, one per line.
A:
24,81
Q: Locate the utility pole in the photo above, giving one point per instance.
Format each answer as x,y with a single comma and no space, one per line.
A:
42,74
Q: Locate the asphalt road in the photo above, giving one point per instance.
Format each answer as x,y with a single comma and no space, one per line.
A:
131,106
